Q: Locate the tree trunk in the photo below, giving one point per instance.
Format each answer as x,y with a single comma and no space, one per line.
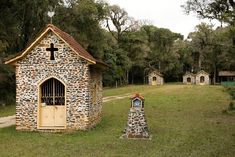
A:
132,77
200,61
127,77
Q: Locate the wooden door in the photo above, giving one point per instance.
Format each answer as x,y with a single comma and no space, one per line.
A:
60,118
154,81
47,116
52,106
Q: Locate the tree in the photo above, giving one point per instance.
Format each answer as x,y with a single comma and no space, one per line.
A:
82,20
135,44
184,61
160,55
201,41
120,20
120,25
221,10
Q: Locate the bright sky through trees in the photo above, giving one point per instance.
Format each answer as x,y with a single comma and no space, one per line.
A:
161,13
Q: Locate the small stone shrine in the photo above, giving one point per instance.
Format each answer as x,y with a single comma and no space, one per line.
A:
155,78
136,125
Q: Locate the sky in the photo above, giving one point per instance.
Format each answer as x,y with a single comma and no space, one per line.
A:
161,13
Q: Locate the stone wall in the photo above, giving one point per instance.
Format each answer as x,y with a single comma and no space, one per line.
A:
96,96
69,68
136,126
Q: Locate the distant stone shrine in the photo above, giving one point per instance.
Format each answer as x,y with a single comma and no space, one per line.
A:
136,126
155,78
189,78
202,78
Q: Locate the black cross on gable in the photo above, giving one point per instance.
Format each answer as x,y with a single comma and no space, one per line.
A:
52,49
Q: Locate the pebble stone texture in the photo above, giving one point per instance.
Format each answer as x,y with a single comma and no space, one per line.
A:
79,78
136,126
156,74
189,75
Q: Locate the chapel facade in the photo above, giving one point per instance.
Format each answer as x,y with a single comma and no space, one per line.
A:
58,84
202,78
189,78
155,78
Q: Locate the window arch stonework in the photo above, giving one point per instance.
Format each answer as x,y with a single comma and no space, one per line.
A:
52,92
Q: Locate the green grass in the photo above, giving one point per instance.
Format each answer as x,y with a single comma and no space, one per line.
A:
184,121
7,110
124,90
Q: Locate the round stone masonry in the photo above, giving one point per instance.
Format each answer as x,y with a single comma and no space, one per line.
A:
136,127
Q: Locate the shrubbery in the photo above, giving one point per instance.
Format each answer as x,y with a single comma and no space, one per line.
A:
7,85
231,91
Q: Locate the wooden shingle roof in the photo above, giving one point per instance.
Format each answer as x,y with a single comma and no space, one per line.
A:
72,43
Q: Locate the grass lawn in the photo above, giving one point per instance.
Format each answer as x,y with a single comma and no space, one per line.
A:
185,121
7,110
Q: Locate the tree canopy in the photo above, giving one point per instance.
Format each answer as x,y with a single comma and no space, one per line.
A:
130,48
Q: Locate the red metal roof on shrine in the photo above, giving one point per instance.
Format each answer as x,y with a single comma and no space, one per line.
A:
137,95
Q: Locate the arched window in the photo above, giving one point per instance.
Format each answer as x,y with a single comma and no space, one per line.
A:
53,92
188,79
202,79
154,78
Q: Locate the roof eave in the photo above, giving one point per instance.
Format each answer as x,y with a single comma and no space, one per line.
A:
24,52
15,59
89,60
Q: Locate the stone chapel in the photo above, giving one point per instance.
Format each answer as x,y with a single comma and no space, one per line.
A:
200,78
155,78
58,84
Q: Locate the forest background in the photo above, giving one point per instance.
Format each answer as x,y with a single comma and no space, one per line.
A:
130,47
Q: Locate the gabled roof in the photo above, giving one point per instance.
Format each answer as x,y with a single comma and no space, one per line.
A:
189,73
202,72
69,40
137,95
156,72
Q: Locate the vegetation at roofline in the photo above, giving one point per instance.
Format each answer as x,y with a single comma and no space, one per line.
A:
130,47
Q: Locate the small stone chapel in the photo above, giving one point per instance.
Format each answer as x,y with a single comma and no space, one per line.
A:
58,84
189,78
155,78
200,78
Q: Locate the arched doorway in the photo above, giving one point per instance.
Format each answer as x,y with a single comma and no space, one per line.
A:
52,104
154,80
188,80
202,79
